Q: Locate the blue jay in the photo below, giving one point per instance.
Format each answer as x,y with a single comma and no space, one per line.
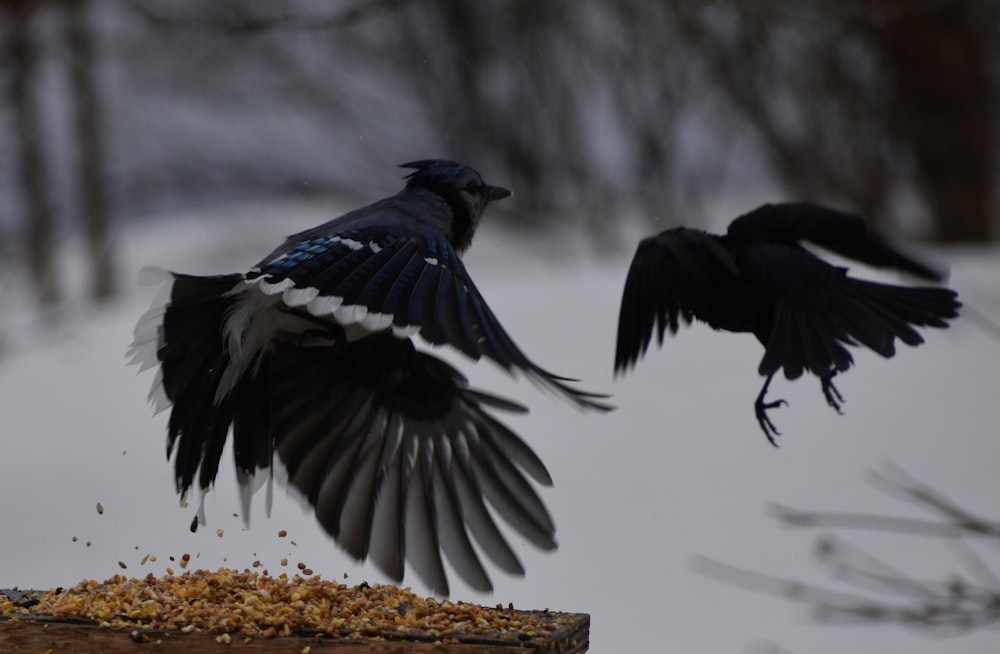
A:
758,278
309,356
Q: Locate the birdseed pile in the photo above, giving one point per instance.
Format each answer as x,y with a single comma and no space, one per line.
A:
250,604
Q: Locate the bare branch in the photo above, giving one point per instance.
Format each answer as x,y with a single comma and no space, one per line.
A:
881,593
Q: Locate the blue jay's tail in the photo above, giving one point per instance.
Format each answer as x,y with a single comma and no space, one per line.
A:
184,336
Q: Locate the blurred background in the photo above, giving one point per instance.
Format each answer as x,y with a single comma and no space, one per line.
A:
595,113
195,134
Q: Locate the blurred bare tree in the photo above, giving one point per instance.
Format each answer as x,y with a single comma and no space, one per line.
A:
92,192
875,590
593,112
859,101
33,165
22,53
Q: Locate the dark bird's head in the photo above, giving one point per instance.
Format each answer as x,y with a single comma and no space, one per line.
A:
462,188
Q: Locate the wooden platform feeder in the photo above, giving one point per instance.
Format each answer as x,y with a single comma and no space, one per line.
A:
24,630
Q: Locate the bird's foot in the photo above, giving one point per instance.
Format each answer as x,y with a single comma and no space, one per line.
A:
830,392
761,408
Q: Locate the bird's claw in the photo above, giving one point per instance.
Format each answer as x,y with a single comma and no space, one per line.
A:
832,395
761,408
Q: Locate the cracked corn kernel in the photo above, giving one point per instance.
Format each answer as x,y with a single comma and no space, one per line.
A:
248,604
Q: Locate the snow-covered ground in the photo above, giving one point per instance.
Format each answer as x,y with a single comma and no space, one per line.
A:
679,470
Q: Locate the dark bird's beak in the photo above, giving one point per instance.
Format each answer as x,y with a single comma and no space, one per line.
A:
492,193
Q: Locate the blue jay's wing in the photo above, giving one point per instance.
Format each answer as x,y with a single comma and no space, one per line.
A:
406,278
399,459
671,276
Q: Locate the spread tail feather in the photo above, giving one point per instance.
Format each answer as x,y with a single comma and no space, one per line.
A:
859,312
184,337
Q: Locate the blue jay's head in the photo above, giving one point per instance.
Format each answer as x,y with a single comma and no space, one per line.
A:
464,190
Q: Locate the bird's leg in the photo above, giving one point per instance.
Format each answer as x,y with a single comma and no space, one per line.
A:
830,392
761,408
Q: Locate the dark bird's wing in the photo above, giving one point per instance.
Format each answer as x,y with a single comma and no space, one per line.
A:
677,275
818,308
838,231
402,277
399,458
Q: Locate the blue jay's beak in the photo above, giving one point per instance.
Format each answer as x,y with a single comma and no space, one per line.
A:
492,193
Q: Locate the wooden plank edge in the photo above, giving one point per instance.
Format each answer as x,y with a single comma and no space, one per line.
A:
42,635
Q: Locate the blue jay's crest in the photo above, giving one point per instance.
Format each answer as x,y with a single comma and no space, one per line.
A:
462,188
308,355
440,172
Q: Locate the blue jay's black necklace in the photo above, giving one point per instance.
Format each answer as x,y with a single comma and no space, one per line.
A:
309,356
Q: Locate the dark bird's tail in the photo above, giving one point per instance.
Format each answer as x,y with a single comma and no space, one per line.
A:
184,337
859,312
875,314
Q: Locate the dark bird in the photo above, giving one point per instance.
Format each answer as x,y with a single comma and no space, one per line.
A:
758,278
309,355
